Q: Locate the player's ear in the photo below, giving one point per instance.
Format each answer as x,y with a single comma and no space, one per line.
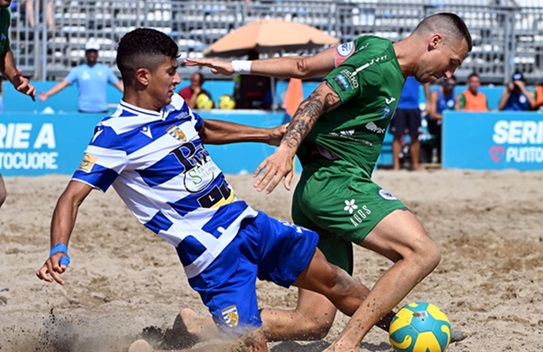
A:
435,40
142,76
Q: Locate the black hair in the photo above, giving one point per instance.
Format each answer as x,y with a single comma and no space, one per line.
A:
448,24
143,47
474,74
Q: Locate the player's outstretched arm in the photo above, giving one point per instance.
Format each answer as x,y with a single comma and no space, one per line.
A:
279,165
61,228
223,132
281,67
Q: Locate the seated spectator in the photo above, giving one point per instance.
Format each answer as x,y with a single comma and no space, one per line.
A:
441,99
471,99
253,92
515,96
191,92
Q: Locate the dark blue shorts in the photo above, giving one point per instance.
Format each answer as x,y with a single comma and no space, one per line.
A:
266,248
406,121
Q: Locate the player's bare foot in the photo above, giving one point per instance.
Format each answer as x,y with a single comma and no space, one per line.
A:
202,328
140,346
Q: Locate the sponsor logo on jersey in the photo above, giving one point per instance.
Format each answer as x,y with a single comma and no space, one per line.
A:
358,214
177,133
374,128
386,111
351,77
230,316
342,82
350,206
386,195
87,163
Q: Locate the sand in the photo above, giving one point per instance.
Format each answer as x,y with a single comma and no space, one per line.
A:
123,278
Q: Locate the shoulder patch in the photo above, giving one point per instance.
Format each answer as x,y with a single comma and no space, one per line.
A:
343,51
87,163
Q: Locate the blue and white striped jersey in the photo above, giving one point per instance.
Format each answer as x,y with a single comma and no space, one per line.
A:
159,167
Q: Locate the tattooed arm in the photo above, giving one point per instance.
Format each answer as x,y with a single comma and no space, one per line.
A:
280,164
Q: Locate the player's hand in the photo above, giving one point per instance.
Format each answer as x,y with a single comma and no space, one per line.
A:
42,96
52,269
23,85
216,66
270,172
276,134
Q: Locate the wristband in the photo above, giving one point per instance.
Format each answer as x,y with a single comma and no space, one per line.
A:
242,66
61,247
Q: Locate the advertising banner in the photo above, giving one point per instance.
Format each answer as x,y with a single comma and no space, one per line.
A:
493,140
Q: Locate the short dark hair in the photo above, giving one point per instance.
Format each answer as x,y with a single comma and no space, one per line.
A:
449,24
143,47
474,74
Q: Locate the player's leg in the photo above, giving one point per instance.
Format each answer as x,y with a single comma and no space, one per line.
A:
227,288
401,238
415,128
398,126
3,192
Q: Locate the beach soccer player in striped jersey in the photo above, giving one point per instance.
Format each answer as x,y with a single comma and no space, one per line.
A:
9,69
337,133
151,151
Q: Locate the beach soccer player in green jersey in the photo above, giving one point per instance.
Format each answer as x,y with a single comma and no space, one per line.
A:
337,133
9,70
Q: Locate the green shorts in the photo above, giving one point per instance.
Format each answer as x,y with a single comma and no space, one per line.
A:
337,200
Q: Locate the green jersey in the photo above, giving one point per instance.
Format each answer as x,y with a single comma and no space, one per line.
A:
5,21
369,83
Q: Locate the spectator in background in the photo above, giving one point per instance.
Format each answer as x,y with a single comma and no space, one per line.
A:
441,99
539,96
471,99
253,92
92,78
515,96
407,120
9,70
191,92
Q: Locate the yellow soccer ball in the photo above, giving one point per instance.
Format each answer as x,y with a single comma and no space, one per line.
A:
203,101
226,102
420,327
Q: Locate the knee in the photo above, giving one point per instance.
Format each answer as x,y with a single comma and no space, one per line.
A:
428,256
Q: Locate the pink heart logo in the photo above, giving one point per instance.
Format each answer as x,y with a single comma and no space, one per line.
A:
496,153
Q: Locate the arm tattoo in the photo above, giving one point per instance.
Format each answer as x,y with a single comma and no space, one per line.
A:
307,114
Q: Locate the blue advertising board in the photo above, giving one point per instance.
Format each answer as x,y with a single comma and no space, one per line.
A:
493,140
